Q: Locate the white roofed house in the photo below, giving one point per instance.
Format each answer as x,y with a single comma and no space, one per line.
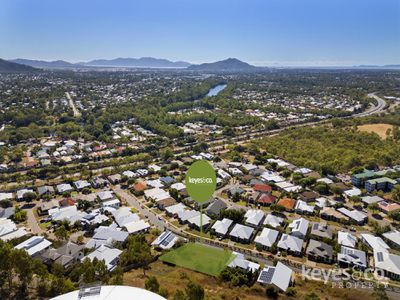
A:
246,265
173,210
109,255
22,193
221,228
291,244
187,214
254,217
241,233
165,240
302,207
347,239
111,205
70,214
64,188
200,222
9,230
34,245
107,235
273,221
124,216
388,262
266,238
136,227
105,195
6,196
81,184
299,227
349,257
355,216
280,276
393,238
374,242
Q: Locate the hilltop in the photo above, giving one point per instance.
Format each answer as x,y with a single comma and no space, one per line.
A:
230,64
11,67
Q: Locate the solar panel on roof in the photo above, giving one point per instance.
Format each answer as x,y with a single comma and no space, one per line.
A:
266,275
167,240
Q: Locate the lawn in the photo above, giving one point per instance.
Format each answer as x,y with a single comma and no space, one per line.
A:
199,258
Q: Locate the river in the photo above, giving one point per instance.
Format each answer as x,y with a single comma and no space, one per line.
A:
216,90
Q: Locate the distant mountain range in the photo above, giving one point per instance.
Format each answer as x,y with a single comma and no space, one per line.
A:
230,64
44,64
143,62
11,67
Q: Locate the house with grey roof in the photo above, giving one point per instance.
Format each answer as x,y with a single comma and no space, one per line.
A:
266,238
99,182
241,233
215,208
319,251
290,244
65,255
321,230
350,257
45,190
221,228
367,200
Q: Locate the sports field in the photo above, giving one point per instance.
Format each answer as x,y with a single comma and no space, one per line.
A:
199,258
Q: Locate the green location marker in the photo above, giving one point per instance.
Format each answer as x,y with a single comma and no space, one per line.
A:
201,183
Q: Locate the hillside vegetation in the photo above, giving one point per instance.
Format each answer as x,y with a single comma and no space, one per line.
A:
332,150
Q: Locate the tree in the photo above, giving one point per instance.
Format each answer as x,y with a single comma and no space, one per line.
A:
312,296
61,233
152,284
194,291
271,292
379,292
19,215
137,252
167,154
179,295
118,276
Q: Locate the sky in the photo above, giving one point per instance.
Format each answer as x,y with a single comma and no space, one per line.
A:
261,32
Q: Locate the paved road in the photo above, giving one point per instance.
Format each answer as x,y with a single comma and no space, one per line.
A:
134,202
72,104
32,222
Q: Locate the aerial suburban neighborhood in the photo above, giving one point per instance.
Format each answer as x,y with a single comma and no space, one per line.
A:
273,175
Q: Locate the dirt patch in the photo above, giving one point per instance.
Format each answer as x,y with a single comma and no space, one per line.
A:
173,278
379,129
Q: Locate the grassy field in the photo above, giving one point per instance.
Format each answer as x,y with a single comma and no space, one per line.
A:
379,129
199,258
